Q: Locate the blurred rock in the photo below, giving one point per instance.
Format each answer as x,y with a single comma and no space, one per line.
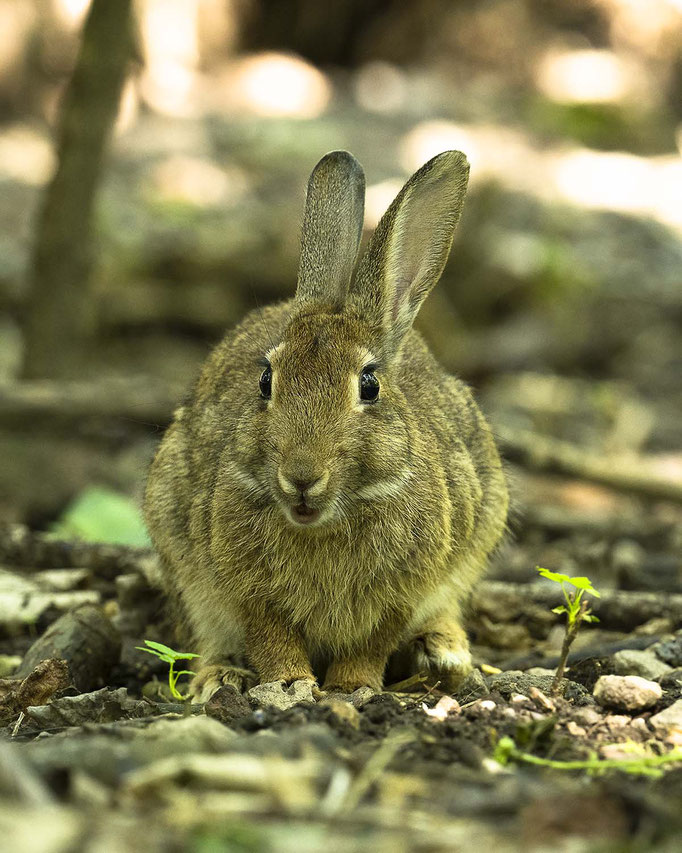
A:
640,662
668,723
275,694
86,640
626,692
472,687
670,651
227,705
100,706
515,681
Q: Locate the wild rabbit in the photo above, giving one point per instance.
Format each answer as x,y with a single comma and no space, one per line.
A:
328,495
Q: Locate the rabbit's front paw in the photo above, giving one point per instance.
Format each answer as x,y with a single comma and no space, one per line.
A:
349,676
445,656
211,678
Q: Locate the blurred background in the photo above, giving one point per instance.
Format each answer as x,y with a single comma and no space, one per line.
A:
561,303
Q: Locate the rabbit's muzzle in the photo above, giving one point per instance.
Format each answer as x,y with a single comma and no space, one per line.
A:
303,488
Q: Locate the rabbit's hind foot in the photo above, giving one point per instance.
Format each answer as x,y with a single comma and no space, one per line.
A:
209,679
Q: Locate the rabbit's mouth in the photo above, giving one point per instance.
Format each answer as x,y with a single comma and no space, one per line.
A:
304,514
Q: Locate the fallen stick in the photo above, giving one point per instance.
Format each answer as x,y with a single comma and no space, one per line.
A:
618,610
140,399
25,549
543,453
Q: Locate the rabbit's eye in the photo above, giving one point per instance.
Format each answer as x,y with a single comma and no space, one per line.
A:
266,383
369,386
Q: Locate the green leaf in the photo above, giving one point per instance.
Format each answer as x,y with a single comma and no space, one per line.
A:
561,609
166,653
590,617
102,515
161,648
552,576
584,583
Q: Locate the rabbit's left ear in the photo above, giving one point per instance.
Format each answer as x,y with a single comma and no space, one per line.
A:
409,248
332,228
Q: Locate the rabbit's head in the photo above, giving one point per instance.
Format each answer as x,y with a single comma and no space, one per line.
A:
335,428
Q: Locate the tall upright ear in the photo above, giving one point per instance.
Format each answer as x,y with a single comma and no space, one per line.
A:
332,228
408,250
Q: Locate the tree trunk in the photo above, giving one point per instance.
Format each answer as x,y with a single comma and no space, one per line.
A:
60,318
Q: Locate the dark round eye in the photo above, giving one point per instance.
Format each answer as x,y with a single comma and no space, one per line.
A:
369,386
265,383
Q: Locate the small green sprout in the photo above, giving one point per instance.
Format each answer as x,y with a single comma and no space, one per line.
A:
506,752
577,611
171,657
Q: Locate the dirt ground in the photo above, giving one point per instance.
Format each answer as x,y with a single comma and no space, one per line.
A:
100,757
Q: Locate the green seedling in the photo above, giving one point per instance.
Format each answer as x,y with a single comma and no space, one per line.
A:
577,611
506,752
171,657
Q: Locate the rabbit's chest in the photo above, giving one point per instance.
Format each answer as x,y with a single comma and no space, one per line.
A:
336,596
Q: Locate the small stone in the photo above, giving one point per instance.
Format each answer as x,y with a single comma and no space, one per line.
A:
540,699
642,662
672,680
540,670
361,696
668,724
626,692
515,681
227,705
445,705
487,705
275,694
343,711
670,651
472,687
587,716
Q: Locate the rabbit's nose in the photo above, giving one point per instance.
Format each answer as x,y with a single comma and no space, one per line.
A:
306,483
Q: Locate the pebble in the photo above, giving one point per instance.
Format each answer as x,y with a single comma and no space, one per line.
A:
473,687
343,711
587,716
274,694
642,662
227,705
670,651
626,692
668,723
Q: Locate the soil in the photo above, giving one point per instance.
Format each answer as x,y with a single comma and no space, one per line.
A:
117,758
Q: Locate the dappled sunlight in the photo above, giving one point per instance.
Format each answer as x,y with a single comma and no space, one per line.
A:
622,182
429,138
599,180
25,155
378,198
15,26
594,76
198,182
169,31
277,85
380,87
70,13
649,25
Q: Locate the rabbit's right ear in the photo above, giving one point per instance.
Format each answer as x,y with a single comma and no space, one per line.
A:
332,228
409,248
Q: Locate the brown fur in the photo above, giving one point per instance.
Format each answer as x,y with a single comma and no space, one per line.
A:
413,498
